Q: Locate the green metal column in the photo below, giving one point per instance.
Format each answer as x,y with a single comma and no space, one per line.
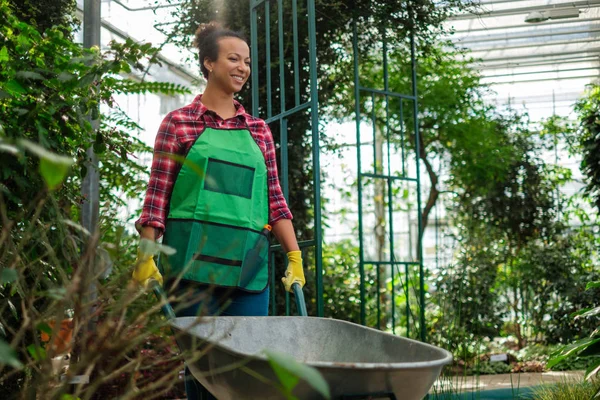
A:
419,212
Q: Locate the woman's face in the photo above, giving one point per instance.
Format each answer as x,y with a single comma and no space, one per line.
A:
231,70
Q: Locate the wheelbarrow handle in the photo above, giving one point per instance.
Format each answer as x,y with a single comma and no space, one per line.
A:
300,303
162,298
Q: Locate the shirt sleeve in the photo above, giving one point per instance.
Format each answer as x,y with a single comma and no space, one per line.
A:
162,177
277,204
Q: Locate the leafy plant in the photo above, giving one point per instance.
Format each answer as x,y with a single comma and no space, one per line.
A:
50,90
568,390
588,110
587,347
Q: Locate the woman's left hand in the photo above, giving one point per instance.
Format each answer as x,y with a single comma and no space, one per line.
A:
294,272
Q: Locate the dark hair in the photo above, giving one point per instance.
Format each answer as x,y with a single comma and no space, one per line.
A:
207,42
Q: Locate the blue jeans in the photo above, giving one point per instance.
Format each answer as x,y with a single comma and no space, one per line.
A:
215,301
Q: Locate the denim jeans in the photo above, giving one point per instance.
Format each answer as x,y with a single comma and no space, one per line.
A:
215,301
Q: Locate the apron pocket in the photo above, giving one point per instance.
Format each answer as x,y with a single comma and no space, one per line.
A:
229,178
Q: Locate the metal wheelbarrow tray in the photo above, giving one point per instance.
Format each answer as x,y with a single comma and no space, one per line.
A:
354,360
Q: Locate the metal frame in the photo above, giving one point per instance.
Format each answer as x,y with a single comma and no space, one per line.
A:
284,114
388,177
268,10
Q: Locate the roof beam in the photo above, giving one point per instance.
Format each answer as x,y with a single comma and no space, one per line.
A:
533,45
526,36
593,50
525,10
525,25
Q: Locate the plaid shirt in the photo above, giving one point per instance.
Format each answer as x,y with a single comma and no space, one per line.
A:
176,135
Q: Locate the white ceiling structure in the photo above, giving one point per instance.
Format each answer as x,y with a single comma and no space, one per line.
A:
541,66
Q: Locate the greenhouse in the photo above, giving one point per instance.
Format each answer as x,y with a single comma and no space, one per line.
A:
300,199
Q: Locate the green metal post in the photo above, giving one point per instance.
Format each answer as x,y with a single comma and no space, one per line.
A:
402,138
418,172
284,114
283,134
281,57
314,113
296,63
389,179
254,57
285,180
374,122
272,292
361,251
376,175
268,57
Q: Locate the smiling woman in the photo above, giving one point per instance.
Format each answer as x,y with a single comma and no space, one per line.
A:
214,194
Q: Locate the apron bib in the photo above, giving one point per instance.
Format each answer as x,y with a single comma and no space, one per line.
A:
218,209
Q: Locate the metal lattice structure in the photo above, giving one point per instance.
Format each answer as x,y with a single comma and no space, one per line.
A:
399,270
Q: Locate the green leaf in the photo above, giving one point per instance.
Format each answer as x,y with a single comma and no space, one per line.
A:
8,275
37,352
66,396
13,309
593,370
8,356
99,145
592,285
286,378
570,350
86,80
30,75
298,370
53,167
591,313
14,87
4,54
44,327
66,76
152,247
9,148
57,293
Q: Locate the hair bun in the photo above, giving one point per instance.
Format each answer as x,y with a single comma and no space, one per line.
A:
205,30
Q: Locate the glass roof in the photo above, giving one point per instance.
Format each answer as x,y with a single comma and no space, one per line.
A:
545,65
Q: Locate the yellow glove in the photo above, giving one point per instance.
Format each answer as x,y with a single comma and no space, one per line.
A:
294,271
145,269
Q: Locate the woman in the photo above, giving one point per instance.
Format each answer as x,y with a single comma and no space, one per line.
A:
213,193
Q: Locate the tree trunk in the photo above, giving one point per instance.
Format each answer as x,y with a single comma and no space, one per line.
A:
434,193
380,227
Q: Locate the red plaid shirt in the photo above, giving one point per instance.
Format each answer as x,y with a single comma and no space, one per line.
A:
176,135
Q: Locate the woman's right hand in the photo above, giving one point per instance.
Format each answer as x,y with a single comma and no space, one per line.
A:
146,269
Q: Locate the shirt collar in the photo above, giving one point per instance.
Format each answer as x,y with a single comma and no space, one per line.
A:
201,109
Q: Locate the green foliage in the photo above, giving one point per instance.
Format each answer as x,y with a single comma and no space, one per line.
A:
45,14
8,356
568,390
589,347
341,284
49,86
490,368
515,257
50,90
588,110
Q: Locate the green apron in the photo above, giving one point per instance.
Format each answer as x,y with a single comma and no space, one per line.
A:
218,209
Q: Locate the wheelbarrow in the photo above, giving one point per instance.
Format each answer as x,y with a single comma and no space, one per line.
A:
357,362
